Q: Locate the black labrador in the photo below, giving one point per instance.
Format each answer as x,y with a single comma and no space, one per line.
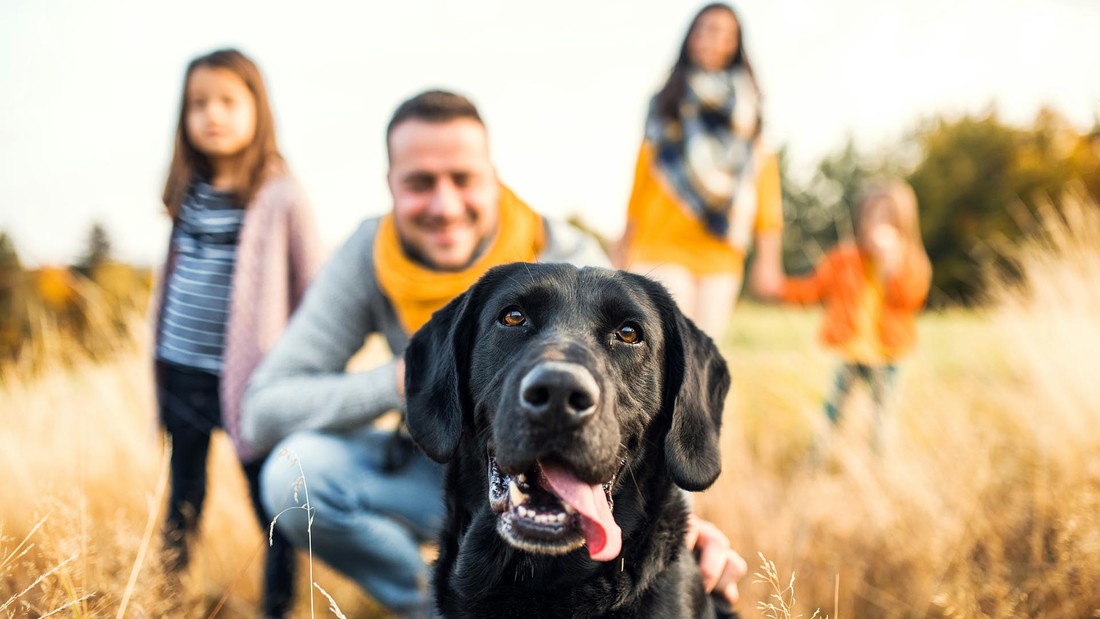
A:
570,404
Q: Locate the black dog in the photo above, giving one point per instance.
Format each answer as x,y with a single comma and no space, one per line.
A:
568,403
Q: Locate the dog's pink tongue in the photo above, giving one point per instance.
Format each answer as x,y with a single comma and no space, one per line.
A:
601,533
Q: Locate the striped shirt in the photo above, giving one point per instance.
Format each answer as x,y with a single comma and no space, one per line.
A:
196,305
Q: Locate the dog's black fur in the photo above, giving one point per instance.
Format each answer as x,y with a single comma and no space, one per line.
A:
653,425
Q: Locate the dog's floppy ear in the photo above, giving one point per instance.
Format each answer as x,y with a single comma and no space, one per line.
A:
697,380
436,367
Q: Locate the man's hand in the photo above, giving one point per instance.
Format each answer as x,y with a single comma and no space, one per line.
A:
720,565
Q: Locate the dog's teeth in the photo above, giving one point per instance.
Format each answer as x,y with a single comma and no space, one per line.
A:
522,511
560,517
522,478
517,495
569,509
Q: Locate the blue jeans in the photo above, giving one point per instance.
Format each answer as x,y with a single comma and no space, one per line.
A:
369,518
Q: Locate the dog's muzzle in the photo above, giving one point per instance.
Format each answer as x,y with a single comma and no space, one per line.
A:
547,510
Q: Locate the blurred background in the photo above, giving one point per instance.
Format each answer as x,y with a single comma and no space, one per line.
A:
89,93
989,108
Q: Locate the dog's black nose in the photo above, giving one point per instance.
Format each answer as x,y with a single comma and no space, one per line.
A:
559,394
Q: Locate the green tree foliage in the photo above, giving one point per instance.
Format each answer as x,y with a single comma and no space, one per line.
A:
13,300
96,252
819,213
1085,159
978,181
9,258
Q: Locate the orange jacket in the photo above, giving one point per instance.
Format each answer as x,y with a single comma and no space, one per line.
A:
837,282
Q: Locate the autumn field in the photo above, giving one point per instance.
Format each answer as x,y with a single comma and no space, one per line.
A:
985,504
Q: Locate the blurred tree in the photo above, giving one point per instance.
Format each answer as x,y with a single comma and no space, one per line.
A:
13,300
978,181
9,257
97,251
819,213
1085,160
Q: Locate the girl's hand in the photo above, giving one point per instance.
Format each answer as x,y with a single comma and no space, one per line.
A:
886,247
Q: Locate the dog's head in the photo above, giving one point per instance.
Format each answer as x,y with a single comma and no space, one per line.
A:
558,377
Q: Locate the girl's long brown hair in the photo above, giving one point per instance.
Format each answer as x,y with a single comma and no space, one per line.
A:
905,215
259,159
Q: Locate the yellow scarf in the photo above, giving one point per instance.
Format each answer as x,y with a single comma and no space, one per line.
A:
417,291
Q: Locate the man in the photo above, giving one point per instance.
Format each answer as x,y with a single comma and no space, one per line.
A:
376,498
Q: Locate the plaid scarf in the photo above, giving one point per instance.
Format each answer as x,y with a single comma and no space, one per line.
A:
706,155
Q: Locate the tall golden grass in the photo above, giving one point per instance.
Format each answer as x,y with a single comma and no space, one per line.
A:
986,503
82,463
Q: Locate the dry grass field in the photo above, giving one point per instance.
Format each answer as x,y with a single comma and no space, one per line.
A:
985,504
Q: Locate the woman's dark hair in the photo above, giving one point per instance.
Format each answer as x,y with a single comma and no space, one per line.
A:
259,158
669,97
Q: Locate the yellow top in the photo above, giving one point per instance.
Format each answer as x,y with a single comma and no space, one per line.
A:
865,346
661,230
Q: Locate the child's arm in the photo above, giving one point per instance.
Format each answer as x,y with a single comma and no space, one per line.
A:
811,289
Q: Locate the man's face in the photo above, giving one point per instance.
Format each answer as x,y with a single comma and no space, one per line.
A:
445,191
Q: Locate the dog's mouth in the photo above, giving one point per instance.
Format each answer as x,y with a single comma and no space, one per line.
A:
548,510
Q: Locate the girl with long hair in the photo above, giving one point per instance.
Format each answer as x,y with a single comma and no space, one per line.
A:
243,247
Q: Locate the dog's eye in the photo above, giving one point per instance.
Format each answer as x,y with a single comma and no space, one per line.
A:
512,317
630,333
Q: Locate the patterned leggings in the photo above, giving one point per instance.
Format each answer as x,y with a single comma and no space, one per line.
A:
880,379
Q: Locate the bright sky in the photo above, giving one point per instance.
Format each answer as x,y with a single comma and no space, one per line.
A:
89,91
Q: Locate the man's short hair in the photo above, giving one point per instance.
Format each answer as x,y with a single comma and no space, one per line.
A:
433,106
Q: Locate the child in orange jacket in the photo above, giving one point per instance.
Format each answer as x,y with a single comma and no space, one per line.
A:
872,290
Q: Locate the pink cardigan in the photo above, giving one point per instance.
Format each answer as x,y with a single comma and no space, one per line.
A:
278,253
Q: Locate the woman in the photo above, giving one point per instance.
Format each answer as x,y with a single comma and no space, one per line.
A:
703,185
